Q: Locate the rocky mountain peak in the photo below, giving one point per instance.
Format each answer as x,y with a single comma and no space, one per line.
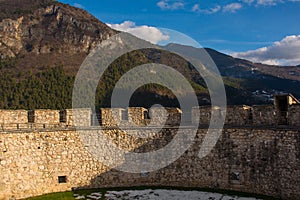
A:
48,27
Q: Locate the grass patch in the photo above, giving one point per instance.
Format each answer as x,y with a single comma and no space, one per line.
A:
54,196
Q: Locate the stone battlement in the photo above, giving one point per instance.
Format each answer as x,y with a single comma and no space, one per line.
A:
250,155
260,115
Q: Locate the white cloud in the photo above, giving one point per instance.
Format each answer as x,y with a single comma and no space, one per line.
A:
196,8
269,2
229,8
77,5
284,52
232,8
248,1
151,34
167,5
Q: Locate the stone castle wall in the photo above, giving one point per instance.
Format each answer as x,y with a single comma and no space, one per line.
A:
253,155
13,119
235,115
68,117
45,116
262,115
138,116
294,115
261,161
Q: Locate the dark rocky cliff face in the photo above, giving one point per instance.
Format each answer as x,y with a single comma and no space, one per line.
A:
14,9
47,27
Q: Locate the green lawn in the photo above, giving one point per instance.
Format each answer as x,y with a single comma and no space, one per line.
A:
55,196
66,195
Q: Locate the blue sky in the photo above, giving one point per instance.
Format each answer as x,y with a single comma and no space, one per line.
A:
252,29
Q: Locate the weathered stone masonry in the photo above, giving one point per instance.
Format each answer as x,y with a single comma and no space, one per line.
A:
48,155
251,160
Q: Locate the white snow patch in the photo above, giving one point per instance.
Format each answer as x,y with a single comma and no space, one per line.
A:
79,197
169,194
97,194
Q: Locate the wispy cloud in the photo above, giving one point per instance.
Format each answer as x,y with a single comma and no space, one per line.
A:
232,8
196,8
219,41
284,52
149,33
170,5
226,8
248,1
77,5
269,2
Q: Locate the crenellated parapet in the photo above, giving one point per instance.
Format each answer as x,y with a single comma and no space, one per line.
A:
294,115
284,112
44,118
234,115
265,115
76,117
13,119
42,152
139,116
260,115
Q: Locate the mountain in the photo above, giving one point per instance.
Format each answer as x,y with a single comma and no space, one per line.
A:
240,68
43,43
261,80
47,33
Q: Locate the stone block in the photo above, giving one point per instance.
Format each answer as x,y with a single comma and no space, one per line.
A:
294,115
264,115
80,117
